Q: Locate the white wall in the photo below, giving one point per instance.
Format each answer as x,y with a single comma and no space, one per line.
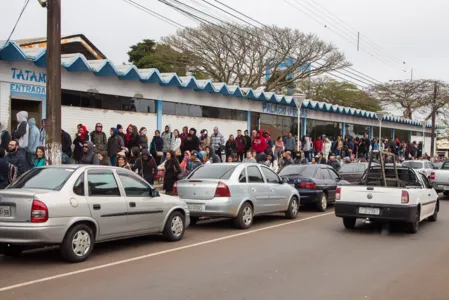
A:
72,116
427,145
226,127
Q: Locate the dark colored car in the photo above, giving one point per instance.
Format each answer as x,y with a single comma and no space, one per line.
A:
316,184
353,172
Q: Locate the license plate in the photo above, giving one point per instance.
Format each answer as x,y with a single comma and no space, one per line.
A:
5,211
195,207
369,211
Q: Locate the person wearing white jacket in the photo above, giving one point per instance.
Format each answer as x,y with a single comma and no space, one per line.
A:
273,165
177,144
327,148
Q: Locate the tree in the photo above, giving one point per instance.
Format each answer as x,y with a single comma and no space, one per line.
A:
325,89
149,54
243,55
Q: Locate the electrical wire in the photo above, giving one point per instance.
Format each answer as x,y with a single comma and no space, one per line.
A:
153,13
17,22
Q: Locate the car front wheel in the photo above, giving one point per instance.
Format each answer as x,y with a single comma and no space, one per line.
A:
322,204
293,208
175,227
413,227
78,243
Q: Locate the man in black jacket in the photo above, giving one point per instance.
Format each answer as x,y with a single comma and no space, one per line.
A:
321,160
17,158
66,142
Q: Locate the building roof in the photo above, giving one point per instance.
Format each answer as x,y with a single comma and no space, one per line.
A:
104,67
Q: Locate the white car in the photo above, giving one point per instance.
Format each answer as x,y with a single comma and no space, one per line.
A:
422,166
413,201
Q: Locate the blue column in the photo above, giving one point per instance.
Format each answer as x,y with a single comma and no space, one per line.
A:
392,133
159,114
343,129
248,121
371,132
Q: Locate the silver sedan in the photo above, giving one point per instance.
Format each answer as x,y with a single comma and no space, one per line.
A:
77,206
238,191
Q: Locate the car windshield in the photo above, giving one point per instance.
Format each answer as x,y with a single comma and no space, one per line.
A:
352,168
413,164
43,178
298,171
213,171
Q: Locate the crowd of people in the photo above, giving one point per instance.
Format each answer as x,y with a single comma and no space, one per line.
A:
171,155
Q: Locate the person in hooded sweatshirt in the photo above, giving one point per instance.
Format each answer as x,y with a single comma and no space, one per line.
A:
89,157
81,137
66,143
5,137
115,144
22,132
33,141
99,139
157,144
193,162
17,158
104,158
8,172
192,142
204,139
168,138
259,143
147,166
183,136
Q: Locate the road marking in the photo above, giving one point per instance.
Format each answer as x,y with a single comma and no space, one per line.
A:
120,262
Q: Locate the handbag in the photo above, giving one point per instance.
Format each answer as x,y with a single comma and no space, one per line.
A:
158,153
178,152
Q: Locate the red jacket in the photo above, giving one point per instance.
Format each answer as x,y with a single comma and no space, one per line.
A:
318,145
259,143
240,141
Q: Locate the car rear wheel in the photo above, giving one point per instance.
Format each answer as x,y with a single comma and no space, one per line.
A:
244,219
349,223
175,227
322,204
11,250
293,208
414,226
78,243
434,217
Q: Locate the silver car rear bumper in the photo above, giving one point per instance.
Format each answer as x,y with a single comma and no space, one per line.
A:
31,234
217,207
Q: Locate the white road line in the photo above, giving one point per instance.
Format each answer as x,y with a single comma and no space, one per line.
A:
15,286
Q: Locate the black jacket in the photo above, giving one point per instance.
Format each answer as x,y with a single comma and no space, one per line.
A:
248,143
79,153
192,142
66,142
18,159
4,173
115,143
5,139
147,168
157,144
231,147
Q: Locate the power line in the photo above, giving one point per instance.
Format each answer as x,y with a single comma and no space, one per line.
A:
17,22
154,14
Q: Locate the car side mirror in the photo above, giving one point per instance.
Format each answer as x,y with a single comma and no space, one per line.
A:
154,193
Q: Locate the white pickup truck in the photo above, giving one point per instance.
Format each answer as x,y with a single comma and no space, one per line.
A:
440,179
409,200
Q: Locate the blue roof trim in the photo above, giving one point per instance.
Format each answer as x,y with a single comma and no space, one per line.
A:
12,52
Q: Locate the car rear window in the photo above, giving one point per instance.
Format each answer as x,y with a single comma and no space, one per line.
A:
352,168
298,171
43,178
413,164
213,171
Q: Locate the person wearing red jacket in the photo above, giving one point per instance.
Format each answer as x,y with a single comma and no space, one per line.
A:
259,143
318,145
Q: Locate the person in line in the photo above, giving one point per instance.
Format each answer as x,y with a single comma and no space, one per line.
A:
326,148
231,146
115,145
230,159
99,139
204,139
39,160
81,137
268,141
248,141
240,142
120,132
17,158
318,145
22,132
132,156
279,147
66,145
172,171
143,139
131,137
43,136
249,158
168,138
177,144
289,142
288,160
5,137
217,142
193,163
33,141
185,160
157,144
89,157
122,161
104,158
259,144
8,172
321,159
272,163
192,142
333,162
307,148
146,166
183,136
313,161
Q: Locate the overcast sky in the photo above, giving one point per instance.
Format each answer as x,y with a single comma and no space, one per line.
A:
411,31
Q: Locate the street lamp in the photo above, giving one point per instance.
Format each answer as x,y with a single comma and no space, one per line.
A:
43,3
299,99
380,115
424,125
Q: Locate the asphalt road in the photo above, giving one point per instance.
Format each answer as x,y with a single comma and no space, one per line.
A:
313,257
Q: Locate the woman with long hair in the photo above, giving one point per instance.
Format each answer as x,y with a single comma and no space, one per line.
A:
172,170
157,144
231,146
272,163
177,144
81,136
279,147
39,161
122,161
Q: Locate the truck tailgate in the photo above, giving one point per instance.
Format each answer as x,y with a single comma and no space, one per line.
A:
370,195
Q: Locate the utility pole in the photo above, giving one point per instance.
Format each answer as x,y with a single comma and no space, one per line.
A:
432,142
53,147
411,75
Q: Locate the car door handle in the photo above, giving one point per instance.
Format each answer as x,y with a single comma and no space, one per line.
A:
97,206
272,190
132,204
429,195
253,190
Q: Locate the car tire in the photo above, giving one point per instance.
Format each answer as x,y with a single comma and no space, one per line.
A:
293,208
414,226
11,250
78,244
434,217
321,206
245,217
349,223
175,227
194,221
